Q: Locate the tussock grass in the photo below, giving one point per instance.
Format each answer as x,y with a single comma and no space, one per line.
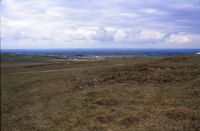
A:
146,94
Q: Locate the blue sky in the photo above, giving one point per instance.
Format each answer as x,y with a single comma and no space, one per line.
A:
100,24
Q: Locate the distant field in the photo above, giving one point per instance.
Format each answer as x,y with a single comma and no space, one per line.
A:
118,94
5,58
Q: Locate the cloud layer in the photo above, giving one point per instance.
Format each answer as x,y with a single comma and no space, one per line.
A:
100,24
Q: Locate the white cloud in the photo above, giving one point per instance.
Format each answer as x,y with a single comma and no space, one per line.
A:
120,35
50,23
150,35
152,11
183,38
103,34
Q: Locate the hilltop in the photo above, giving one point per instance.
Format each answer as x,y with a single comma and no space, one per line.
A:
136,93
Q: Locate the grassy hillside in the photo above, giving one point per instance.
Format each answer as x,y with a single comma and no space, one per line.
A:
139,93
8,58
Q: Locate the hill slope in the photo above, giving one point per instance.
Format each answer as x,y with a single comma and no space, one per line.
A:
141,93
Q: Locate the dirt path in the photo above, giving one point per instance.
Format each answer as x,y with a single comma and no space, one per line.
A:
67,69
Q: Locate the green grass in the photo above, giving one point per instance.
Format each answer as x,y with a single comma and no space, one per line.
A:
7,58
144,93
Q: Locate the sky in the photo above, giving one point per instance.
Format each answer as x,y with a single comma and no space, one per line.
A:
38,24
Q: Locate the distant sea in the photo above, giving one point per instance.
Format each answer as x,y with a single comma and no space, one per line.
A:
102,52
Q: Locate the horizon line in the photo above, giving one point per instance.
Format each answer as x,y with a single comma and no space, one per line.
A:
87,48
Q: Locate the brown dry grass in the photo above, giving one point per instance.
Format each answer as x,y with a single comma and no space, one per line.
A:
149,94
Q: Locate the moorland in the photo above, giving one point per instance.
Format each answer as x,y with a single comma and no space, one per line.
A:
115,94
